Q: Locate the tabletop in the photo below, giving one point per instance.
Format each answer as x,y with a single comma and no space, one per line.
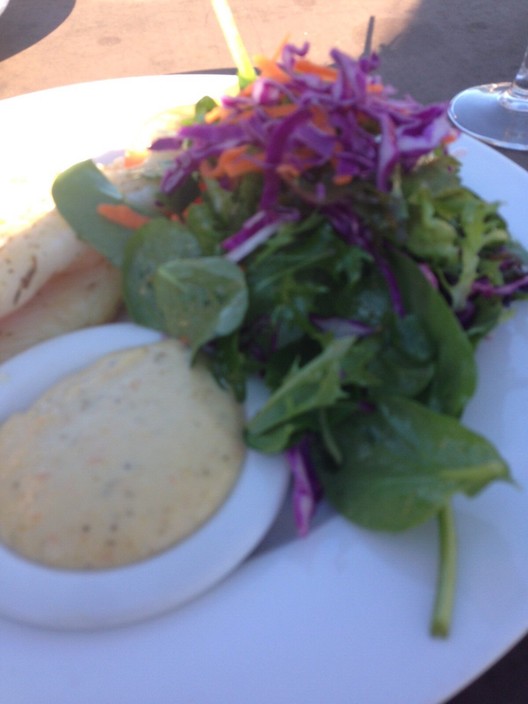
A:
428,49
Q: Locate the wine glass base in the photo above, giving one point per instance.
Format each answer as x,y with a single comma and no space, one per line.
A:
493,114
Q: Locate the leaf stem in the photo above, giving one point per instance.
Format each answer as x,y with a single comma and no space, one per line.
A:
445,589
226,20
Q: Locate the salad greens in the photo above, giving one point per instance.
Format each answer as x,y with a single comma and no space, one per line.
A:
313,230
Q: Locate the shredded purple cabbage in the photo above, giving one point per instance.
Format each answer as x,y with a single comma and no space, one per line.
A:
338,129
487,289
311,133
307,491
255,231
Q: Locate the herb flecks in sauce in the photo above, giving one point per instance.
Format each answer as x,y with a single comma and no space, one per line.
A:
99,486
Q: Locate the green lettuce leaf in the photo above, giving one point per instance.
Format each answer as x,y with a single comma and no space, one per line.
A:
153,244
401,463
77,193
200,299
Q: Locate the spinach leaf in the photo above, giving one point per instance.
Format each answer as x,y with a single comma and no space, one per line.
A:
401,463
200,299
77,193
179,199
150,246
455,376
229,365
316,385
220,212
404,364
205,226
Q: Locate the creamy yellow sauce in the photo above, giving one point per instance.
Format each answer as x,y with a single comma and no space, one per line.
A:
118,461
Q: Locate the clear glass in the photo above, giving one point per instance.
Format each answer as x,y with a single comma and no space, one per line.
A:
496,113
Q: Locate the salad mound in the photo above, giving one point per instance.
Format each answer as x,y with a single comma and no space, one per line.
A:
313,230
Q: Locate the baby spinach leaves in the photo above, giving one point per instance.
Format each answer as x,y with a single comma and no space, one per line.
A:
201,299
77,192
401,463
366,345
146,249
167,283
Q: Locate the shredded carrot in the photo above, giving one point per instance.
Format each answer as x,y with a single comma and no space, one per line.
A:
280,110
320,119
133,158
247,90
288,172
233,163
207,170
304,153
216,113
270,69
327,73
449,138
374,88
122,214
342,180
222,113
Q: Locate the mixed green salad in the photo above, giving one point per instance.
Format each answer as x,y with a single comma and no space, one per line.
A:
312,230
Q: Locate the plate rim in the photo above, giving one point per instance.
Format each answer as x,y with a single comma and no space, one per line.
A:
498,161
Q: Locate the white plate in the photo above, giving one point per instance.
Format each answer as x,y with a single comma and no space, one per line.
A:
341,616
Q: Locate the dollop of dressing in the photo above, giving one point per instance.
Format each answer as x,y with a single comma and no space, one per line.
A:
119,461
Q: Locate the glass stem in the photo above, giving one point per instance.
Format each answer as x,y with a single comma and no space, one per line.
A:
520,82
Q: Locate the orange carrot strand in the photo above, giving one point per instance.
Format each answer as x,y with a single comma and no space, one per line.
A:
133,158
270,69
325,72
233,163
282,110
122,214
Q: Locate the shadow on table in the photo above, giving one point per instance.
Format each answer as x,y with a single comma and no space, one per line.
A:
447,46
26,22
